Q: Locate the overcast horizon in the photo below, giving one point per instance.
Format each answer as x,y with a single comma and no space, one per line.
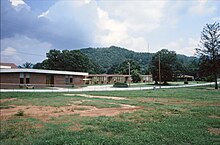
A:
31,28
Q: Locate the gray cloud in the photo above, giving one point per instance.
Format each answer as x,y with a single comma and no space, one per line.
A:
65,27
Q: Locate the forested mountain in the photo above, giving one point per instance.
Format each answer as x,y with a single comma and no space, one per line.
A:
111,60
110,57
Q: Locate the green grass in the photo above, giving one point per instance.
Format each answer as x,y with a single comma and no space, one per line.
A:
174,83
186,122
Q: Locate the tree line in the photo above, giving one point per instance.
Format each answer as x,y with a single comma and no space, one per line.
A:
115,60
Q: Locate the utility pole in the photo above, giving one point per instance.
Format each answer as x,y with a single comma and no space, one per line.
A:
148,77
129,73
159,72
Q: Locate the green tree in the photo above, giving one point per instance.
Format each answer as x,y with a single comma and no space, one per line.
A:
26,65
69,60
135,76
168,61
209,51
123,68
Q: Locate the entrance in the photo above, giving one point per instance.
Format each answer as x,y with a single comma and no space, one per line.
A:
49,80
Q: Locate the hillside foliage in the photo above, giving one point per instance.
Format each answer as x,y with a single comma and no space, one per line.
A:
109,60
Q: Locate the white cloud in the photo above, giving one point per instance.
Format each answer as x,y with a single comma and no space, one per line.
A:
9,51
20,49
44,14
19,5
9,54
216,19
112,32
136,15
183,46
17,2
202,7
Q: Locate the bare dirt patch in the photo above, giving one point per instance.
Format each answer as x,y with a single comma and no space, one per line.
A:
45,112
212,116
102,97
214,131
108,111
7,100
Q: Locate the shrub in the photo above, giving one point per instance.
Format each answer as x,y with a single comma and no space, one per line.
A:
186,82
120,85
20,113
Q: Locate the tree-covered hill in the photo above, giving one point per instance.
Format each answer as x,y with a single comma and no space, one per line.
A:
110,57
110,60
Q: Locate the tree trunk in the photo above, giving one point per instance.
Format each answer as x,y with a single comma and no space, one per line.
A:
216,81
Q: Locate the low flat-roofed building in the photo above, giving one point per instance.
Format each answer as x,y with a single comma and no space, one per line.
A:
93,79
185,78
7,65
37,78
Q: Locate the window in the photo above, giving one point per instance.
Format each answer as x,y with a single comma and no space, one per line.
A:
21,80
71,80
21,75
27,80
27,76
66,79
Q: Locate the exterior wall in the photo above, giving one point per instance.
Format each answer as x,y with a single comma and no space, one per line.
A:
9,80
110,79
78,80
59,80
146,78
38,80
12,80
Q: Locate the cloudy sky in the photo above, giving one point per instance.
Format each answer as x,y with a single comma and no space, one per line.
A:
30,28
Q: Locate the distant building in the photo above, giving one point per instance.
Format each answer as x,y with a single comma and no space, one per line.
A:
7,65
21,78
185,78
93,79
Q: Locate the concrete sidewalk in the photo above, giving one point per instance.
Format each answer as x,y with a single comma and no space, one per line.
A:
101,88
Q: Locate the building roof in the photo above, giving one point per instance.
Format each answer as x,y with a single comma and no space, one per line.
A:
7,65
107,75
185,76
18,70
112,75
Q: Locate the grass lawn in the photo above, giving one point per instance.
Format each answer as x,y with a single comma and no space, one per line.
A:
174,83
165,116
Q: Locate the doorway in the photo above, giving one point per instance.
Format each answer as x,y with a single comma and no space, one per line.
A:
49,80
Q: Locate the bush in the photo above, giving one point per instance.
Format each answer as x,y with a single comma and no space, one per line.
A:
120,85
186,82
20,113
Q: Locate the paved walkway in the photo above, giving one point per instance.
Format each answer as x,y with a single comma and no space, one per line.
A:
100,88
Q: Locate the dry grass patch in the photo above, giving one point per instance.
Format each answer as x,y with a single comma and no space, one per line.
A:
101,97
7,100
214,131
213,116
44,113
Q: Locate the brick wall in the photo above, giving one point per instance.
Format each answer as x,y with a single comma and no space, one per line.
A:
12,80
78,80
59,80
38,80
9,80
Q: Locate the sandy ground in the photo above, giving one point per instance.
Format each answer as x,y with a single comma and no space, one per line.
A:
7,100
45,112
